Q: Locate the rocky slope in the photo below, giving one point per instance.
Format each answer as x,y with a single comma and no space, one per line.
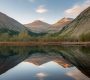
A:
79,28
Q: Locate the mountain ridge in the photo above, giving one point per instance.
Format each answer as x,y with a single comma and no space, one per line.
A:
39,26
7,22
56,27
78,28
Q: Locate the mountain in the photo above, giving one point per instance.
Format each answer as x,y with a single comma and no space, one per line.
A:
78,29
9,26
7,23
43,27
60,24
38,26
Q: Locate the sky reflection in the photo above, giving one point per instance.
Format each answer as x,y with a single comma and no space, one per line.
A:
48,71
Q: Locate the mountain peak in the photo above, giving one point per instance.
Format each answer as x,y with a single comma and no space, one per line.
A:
38,22
65,20
38,26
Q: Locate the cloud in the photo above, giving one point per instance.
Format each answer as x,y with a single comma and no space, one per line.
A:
77,9
77,75
41,9
41,75
32,0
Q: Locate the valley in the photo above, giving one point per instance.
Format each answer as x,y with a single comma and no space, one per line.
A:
66,30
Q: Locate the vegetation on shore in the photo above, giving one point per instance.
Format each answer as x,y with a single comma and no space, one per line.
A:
23,36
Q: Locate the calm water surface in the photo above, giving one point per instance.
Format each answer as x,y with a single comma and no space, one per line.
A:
45,63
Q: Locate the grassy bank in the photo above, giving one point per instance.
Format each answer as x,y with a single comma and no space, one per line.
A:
33,43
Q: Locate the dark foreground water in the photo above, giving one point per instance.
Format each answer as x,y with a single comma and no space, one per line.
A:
45,63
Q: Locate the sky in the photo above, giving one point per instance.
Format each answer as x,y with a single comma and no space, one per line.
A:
50,11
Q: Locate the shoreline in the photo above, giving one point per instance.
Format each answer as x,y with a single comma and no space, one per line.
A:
34,43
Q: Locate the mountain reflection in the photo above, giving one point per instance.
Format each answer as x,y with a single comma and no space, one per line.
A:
79,57
41,58
66,57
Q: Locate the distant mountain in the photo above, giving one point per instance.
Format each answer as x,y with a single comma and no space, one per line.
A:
43,27
9,24
38,26
60,24
78,29
63,21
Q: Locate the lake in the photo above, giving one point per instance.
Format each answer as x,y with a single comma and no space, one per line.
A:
45,63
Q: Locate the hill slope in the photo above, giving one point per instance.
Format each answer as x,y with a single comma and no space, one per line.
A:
8,23
60,24
78,29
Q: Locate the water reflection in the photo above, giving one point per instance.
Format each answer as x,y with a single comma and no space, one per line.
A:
45,63
49,71
41,58
79,57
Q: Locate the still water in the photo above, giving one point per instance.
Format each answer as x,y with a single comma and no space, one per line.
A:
45,63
